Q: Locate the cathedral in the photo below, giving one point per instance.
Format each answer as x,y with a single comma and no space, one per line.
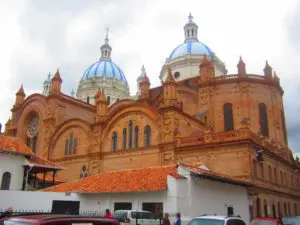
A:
234,124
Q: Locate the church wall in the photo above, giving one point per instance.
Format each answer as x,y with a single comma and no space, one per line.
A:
188,101
132,159
73,167
73,141
219,158
245,98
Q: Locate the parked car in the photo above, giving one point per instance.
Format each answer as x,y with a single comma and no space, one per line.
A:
291,220
57,220
266,221
217,220
137,217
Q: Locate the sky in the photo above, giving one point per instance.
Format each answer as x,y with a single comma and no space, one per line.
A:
39,36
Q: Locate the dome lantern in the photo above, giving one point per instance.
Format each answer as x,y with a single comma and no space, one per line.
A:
191,30
106,48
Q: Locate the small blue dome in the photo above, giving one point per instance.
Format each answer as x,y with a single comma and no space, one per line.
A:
191,48
104,68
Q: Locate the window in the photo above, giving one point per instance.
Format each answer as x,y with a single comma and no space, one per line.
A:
32,132
274,210
5,183
130,131
275,174
108,100
114,139
122,206
258,207
263,120
136,137
154,207
228,117
230,211
295,209
279,209
71,145
265,208
270,174
147,136
124,138
254,172
284,127
262,170
88,99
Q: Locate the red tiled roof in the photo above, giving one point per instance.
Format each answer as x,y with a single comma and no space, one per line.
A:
135,180
214,175
40,162
14,145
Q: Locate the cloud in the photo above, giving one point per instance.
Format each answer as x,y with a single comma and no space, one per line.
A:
40,36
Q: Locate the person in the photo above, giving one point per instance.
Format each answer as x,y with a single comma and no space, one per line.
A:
178,220
108,214
7,213
166,220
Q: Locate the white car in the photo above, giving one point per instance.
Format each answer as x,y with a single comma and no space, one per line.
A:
217,220
138,217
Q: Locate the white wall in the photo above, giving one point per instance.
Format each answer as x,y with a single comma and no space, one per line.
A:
204,196
32,200
14,165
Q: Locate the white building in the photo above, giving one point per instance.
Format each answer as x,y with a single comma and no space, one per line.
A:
187,189
20,168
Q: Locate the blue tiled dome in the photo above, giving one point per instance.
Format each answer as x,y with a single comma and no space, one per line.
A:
191,48
104,68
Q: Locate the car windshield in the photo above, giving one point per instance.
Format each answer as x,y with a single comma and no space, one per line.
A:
263,222
120,214
206,222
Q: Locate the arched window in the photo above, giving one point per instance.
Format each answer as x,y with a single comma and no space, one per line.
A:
254,168
130,132
263,120
270,174
262,174
32,132
5,183
147,136
108,100
124,138
228,117
284,127
88,99
258,207
71,145
285,209
265,208
192,32
279,209
114,139
188,33
295,209
275,174
136,137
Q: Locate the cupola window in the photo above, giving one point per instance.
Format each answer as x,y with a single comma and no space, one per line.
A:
228,117
130,131
263,120
124,138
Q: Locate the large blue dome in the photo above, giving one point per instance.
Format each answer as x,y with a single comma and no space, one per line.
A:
104,68
191,48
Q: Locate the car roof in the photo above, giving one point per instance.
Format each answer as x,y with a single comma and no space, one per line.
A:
217,217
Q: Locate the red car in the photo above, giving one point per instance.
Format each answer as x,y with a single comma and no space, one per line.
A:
266,221
57,220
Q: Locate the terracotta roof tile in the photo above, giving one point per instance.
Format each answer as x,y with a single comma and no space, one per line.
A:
135,180
37,161
14,145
